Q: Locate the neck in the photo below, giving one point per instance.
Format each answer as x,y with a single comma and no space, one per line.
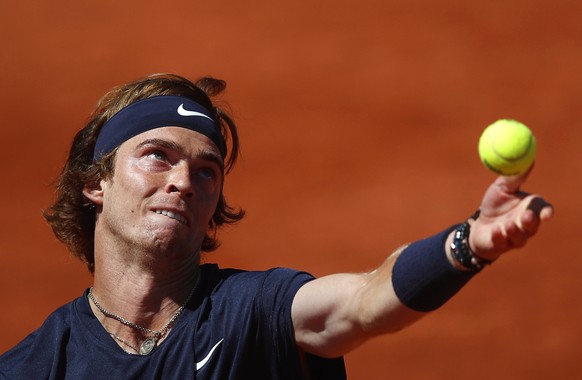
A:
143,281
144,297
140,279
141,315
145,293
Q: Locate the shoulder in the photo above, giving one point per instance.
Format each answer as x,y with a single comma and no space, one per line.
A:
40,346
253,282
57,323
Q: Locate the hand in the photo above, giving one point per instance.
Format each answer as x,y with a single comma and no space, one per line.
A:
508,219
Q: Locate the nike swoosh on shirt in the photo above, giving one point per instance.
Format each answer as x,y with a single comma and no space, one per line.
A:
202,362
184,112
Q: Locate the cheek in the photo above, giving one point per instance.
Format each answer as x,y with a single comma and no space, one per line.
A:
124,195
207,190
136,182
211,203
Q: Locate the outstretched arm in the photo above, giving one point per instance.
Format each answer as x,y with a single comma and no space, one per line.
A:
336,313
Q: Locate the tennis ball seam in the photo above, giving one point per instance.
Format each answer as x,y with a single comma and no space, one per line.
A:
510,159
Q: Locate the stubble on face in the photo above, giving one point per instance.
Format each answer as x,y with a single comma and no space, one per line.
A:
162,196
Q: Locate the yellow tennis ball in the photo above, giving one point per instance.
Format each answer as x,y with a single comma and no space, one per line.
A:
507,147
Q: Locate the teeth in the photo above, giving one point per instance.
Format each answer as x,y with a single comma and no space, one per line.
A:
172,215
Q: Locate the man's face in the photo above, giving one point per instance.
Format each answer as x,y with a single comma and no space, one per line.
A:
163,192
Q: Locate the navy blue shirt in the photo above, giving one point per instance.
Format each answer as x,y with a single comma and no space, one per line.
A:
237,326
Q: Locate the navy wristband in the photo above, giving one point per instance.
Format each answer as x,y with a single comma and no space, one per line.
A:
423,278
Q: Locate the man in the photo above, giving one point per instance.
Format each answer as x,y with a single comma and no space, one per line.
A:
140,198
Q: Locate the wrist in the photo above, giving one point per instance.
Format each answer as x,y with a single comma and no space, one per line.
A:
459,250
423,277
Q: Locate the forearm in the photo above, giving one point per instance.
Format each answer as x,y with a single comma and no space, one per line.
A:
380,310
351,308
334,314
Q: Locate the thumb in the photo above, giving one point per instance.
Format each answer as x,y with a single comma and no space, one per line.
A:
512,184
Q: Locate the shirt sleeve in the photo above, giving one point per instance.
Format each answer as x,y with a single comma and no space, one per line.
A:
275,301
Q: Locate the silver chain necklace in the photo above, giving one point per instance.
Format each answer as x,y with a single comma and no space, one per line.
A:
150,343
125,342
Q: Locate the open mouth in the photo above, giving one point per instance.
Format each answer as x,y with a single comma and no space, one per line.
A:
173,215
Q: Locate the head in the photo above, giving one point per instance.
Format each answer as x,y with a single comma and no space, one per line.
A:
72,216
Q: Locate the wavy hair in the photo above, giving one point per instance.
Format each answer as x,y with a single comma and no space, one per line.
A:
72,216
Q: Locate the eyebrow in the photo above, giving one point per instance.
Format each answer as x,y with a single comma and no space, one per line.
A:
205,155
162,144
212,157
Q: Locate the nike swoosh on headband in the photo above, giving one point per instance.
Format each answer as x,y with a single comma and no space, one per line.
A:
203,362
157,112
184,112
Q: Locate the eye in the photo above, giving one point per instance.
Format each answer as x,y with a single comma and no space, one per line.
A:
207,173
158,155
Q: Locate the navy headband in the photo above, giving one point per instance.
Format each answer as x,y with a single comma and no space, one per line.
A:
156,112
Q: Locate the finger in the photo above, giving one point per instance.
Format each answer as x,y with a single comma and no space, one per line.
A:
536,210
515,236
542,209
547,213
529,222
499,240
512,184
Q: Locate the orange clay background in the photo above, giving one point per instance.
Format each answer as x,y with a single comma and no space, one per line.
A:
359,122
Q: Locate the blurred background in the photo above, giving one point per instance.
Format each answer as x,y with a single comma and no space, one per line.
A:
359,124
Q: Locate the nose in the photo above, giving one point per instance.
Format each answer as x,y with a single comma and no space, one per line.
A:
179,181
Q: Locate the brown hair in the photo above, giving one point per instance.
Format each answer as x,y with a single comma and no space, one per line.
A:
72,216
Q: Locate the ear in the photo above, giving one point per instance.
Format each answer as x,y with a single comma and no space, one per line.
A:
94,193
